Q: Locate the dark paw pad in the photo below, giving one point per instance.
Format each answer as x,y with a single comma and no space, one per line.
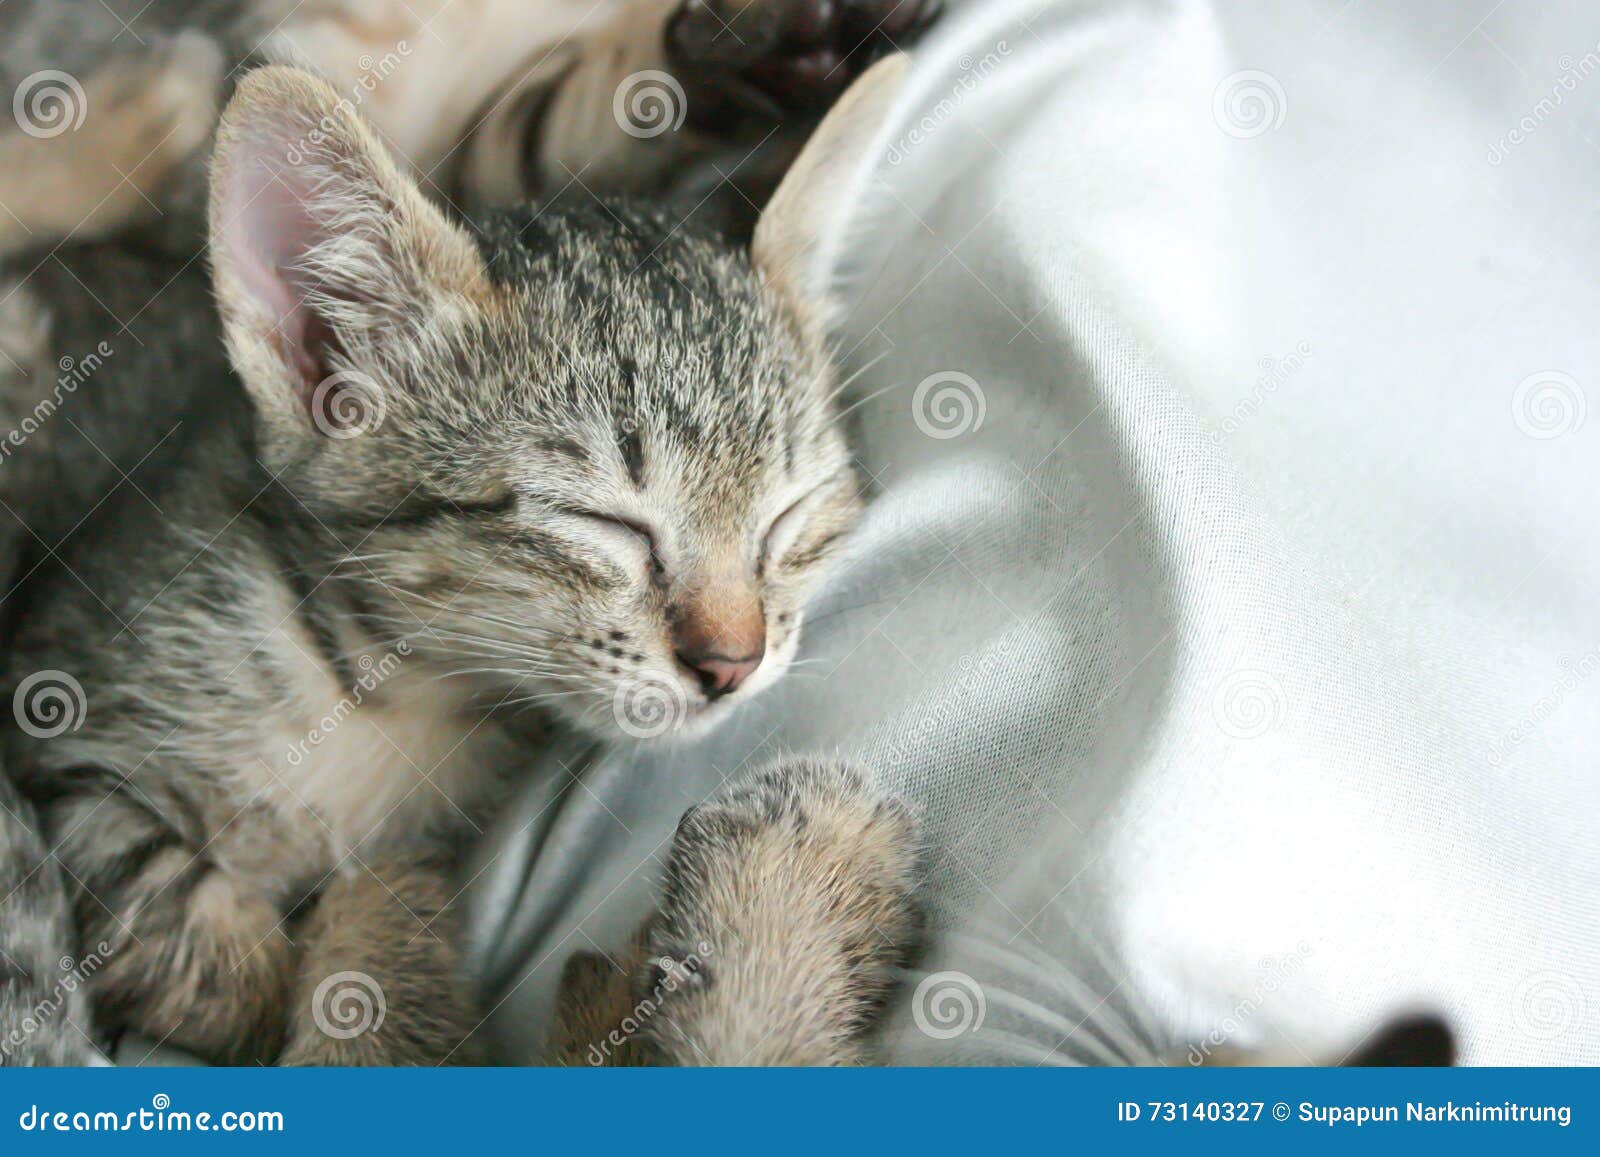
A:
773,60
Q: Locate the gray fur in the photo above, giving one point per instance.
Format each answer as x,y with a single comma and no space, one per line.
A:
44,1014
253,578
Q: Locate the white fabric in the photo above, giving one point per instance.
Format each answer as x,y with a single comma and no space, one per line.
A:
1241,661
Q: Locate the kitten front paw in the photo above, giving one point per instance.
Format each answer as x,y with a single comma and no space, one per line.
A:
772,60
788,910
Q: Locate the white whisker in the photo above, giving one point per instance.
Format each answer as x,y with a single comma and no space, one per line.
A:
848,382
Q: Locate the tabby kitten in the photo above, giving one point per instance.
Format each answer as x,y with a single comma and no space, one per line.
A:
585,458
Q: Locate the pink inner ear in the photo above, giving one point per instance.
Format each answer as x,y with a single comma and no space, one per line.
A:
266,231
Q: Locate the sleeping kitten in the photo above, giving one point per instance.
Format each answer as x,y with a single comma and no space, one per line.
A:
493,104
585,458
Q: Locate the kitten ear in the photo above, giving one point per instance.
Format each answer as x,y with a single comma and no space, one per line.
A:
324,253
798,233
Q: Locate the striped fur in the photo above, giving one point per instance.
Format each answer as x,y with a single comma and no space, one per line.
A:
307,649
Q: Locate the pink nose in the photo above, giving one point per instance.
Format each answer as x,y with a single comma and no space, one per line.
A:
719,674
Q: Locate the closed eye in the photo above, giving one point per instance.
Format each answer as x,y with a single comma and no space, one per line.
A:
641,531
783,524
424,509
504,504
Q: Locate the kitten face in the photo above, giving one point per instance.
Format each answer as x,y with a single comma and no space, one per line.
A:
630,469
584,458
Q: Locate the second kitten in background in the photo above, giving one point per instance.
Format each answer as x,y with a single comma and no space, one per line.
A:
489,104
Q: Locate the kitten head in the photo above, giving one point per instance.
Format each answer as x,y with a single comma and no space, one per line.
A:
585,457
